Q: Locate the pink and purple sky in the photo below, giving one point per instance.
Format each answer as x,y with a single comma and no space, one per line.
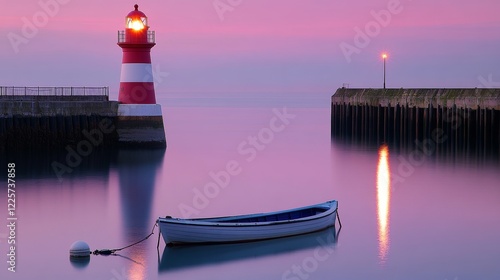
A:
256,45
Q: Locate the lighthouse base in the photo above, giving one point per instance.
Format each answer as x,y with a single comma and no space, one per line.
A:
140,125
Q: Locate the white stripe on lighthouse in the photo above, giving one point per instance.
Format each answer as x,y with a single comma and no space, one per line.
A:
139,110
137,73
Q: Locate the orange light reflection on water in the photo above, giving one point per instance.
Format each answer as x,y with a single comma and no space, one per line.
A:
383,201
137,269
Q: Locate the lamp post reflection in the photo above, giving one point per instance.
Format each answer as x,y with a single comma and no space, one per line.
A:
383,201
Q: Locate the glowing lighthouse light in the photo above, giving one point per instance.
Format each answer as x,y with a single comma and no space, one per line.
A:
135,20
137,25
136,41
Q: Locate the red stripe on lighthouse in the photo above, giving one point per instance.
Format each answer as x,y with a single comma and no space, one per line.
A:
137,54
137,93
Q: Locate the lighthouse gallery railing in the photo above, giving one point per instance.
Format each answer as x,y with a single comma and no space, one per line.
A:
122,38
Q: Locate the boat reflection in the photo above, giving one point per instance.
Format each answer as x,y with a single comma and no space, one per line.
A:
383,201
181,257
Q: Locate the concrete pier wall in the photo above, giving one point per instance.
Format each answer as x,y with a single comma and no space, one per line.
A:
140,125
49,122
451,119
44,123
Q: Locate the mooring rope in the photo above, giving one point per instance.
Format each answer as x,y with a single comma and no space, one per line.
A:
338,217
112,251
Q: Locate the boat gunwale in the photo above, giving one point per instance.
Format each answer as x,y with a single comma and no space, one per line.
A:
219,221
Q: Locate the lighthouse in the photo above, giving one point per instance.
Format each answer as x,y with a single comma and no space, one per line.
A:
136,41
140,121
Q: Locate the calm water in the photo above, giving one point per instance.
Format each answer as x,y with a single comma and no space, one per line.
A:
434,219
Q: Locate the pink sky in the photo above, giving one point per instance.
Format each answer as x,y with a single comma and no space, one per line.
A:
260,45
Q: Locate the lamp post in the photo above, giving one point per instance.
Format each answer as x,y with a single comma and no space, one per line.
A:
384,56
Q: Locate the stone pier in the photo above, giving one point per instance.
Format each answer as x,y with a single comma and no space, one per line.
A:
466,119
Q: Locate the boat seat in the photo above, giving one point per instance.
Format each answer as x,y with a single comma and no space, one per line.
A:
271,218
295,215
262,219
283,217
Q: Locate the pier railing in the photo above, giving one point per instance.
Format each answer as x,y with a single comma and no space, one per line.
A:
54,91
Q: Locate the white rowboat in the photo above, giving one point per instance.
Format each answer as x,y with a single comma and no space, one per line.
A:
249,227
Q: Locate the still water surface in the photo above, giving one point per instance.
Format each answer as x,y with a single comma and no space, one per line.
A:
439,220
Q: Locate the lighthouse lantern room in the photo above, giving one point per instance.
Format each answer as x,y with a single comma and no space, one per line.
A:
136,41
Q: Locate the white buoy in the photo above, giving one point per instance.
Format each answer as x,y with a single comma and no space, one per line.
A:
79,249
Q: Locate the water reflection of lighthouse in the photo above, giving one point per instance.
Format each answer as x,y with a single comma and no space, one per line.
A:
137,175
137,170
383,201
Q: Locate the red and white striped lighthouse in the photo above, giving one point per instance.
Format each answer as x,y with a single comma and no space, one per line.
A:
136,41
139,119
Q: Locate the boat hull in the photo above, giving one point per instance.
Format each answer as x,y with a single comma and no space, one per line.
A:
228,229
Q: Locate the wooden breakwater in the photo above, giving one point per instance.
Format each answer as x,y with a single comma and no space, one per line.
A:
450,119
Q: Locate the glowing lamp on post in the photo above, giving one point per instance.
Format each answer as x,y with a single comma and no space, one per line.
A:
136,41
384,57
